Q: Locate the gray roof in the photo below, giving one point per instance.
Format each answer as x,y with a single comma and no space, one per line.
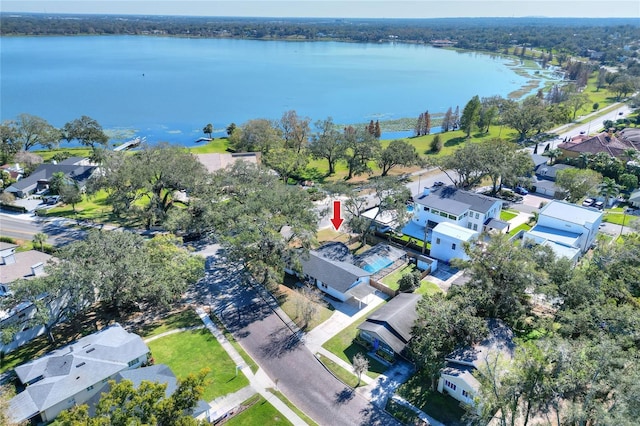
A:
65,372
456,201
22,266
494,223
73,161
571,212
499,340
393,322
44,172
544,171
538,159
334,273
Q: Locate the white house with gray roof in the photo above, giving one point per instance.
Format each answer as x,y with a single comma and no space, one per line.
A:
457,377
331,268
567,228
448,240
467,209
73,374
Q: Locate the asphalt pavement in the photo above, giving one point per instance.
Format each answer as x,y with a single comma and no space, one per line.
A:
279,351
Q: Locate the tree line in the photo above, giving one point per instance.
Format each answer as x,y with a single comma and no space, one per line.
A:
610,38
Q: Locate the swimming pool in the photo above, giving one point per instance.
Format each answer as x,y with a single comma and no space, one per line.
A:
378,264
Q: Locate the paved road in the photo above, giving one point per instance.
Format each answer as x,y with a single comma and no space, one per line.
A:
24,227
267,339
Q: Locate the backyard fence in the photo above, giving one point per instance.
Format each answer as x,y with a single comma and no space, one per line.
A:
383,288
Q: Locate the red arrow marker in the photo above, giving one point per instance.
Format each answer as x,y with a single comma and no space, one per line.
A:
336,220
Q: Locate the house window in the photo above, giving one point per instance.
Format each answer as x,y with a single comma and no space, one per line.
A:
444,214
466,394
89,388
437,240
453,246
426,209
452,217
477,216
469,225
475,226
133,362
450,385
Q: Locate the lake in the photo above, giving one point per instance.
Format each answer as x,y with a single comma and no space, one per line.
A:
167,89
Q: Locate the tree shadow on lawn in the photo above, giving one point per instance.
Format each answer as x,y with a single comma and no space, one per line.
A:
455,141
374,365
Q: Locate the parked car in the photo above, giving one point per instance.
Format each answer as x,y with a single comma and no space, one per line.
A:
438,183
588,202
599,205
520,190
52,200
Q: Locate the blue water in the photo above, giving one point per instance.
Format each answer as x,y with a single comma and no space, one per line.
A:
377,265
169,88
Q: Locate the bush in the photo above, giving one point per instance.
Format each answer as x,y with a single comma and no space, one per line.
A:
436,144
409,282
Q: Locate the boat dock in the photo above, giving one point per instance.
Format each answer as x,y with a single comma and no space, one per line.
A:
130,144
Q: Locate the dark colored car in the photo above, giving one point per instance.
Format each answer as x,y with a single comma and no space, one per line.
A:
438,183
520,190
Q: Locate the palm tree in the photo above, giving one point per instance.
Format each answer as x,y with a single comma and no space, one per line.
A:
40,238
583,159
608,189
630,154
553,154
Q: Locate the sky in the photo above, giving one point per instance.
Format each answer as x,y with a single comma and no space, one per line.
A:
338,9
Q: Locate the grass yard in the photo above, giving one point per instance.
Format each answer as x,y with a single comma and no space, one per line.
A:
216,146
618,218
329,234
439,406
428,288
507,215
343,345
392,280
48,154
343,375
260,412
518,228
181,319
289,300
190,351
295,409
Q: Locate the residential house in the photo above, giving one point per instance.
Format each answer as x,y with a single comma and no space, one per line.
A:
544,181
74,168
75,373
634,198
608,142
448,240
159,373
387,331
567,228
457,378
218,161
467,209
13,266
332,269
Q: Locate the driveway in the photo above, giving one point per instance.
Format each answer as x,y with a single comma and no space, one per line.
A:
268,340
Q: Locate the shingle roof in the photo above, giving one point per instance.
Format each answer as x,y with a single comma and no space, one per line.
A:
44,172
22,266
603,142
549,172
393,322
456,201
65,372
499,340
334,273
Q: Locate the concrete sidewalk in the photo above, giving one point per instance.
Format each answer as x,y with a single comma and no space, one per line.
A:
258,382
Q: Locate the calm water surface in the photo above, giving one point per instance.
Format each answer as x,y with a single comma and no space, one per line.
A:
169,88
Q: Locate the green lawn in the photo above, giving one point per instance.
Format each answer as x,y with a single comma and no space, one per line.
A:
219,145
507,215
392,280
343,346
343,375
48,154
260,412
182,319
190,351
289,300
518,228
439,406
618,217
428,288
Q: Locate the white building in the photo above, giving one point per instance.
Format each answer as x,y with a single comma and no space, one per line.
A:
567,228
447,241
467,209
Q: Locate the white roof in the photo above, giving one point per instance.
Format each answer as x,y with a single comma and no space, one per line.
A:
569,239
456,231
571,212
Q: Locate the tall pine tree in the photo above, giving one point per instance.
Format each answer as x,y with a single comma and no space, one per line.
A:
427,123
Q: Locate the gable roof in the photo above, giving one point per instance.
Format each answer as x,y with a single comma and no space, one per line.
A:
65,372
334,273
21,268
571,212
544,171
218,161
635,195
393,322
456,201
45,172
